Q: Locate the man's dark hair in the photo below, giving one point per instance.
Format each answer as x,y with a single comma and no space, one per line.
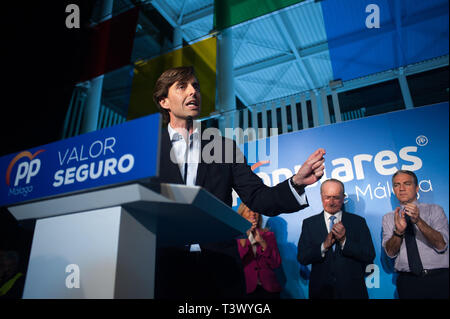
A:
165,81
404,171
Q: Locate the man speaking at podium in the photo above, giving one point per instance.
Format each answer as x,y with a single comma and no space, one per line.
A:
212,271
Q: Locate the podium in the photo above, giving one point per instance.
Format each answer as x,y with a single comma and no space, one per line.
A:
100,212
102,243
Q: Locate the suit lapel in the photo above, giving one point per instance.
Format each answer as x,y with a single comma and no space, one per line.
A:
321,226
169,171
344,215
202,167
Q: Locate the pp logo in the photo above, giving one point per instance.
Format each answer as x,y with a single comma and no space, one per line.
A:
421,140
25,170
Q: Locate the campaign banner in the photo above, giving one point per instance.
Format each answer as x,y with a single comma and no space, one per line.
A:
117,154
363,154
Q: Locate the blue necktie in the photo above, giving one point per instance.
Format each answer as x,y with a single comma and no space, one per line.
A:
332,218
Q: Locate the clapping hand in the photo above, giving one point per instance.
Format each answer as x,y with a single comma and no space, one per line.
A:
329,241
338,231
254,222
412,211
399,220
259,239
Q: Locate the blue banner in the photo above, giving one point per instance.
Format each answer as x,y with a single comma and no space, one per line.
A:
367,36
363,154
117,154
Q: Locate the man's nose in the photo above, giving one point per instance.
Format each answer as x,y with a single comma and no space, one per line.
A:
191,89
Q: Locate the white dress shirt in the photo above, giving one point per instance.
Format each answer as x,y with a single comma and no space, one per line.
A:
178,150
179,146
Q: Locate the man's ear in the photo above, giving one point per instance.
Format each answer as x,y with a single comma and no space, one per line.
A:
164,103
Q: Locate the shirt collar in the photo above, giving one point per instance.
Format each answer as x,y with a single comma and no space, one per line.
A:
338,216
175,136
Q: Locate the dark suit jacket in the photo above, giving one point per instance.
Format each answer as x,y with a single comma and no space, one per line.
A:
219,179
340,274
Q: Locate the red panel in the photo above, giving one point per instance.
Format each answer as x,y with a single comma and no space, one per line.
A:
109,45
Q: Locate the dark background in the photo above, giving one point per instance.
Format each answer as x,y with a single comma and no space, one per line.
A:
40,63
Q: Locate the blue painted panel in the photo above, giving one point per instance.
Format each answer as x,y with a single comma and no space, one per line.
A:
409,31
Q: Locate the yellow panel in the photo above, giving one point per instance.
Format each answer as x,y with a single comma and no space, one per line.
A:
200,55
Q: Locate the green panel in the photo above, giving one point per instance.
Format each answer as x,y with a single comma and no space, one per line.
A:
231,12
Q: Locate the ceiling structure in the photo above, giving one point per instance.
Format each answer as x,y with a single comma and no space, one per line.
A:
274,56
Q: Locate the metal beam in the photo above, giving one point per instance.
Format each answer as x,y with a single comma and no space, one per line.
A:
267,81
281,22
193,17
242,95
405,89
305,53
181,13
381,77
251,68
240,41
393,74
186,19
166,12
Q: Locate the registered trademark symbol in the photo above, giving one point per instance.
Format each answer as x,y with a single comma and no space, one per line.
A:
421,140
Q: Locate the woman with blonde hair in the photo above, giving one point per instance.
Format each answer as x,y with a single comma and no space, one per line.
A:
260,256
